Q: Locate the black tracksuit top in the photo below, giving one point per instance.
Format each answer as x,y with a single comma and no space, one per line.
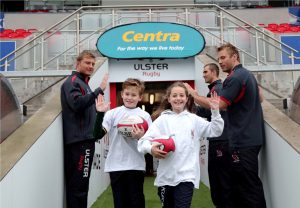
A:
78,108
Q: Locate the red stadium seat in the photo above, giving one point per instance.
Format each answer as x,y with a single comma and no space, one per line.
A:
20,31
272,25
13,35
282,29
7,31
271,29
295,29
26,34
3,35
284,25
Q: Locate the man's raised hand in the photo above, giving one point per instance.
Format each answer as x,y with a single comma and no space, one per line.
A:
104,81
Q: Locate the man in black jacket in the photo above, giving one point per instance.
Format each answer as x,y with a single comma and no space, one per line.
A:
218,151
241,97
78,115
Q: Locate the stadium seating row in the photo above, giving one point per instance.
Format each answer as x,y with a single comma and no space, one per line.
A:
17,33
281,28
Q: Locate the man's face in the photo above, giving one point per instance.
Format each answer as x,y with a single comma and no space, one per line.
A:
86,66
226,60
208,75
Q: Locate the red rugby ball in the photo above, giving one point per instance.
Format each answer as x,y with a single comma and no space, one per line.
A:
167,143
125,125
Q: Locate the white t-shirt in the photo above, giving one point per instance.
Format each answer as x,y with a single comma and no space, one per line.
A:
183,164
123,153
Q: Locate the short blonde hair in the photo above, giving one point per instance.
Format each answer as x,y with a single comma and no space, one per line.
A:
132,82
85,53
231,49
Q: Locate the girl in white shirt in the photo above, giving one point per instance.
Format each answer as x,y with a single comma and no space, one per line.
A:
178,172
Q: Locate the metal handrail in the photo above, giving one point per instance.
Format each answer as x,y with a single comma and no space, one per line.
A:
245,52
150,8
53,58
246,23
40,35
35,44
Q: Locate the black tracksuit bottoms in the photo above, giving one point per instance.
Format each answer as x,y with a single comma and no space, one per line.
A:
128,188
78,164
179,196
248,188
219,173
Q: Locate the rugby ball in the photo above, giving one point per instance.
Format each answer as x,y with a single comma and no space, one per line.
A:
125,125
167,143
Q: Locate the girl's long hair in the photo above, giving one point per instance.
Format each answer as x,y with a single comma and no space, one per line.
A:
190,105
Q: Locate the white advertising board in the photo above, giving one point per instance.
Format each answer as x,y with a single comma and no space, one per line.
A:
152,70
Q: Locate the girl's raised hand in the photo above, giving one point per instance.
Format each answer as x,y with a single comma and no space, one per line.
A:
101,105
214,101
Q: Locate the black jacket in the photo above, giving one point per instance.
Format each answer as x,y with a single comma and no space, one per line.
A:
78,108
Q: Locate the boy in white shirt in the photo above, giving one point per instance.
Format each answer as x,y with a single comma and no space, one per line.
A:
178,172
125,165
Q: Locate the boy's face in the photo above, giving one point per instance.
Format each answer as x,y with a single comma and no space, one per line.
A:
131,97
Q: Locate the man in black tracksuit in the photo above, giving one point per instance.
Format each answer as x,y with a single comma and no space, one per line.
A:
78,115
241,97
218,153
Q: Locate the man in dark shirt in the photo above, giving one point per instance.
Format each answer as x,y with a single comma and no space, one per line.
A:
218,152
78,116
241,97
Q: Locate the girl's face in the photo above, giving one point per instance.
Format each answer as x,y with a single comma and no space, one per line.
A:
131,97
177,99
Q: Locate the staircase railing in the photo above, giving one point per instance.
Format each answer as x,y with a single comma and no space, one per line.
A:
57,47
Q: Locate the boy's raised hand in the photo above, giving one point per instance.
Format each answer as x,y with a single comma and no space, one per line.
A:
214,101
101,105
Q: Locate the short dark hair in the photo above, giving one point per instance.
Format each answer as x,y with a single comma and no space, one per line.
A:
231,49
213,67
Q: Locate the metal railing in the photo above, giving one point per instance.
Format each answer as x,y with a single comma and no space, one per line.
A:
57,47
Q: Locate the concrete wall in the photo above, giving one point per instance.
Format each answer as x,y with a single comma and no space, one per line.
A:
280,159
36,180
32,160
263,15
40,21
145,2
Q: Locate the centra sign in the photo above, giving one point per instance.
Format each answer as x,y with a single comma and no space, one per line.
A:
151,40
